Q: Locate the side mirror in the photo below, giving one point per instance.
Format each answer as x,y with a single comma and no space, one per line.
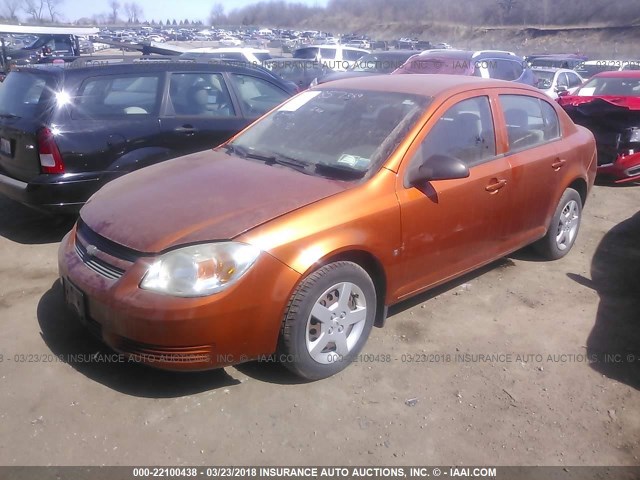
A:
438,167
561,89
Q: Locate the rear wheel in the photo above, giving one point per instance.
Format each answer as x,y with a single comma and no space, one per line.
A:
328,320
564,227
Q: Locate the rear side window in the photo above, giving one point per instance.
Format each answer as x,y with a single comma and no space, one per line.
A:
257,95
306,53
118,96
530,121
351,55
24,94
328,53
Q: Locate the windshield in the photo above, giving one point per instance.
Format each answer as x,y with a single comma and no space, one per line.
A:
339,133
611,86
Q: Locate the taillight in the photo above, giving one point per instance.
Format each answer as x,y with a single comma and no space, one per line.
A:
50,158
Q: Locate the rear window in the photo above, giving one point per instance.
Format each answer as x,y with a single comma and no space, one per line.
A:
25,94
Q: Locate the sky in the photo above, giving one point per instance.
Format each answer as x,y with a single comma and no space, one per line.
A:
159,9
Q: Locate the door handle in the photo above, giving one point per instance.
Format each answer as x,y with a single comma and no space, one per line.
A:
557,165
188,129
495,186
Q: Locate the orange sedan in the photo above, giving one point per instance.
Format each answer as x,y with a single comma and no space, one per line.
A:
296,235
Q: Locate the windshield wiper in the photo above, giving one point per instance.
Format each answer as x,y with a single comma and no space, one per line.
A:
270,158
8,115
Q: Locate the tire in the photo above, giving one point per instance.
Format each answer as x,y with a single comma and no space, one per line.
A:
320,344
563,228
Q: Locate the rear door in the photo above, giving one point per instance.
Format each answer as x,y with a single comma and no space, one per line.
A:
200,112
450,226
537,160
24,100
113,125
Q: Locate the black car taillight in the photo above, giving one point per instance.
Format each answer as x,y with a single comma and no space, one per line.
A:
50,158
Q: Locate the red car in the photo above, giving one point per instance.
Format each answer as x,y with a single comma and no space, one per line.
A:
609,106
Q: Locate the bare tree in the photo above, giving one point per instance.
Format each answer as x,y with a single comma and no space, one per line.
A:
128,12
10,8
34,8
114,5
217,15
136,12
52,6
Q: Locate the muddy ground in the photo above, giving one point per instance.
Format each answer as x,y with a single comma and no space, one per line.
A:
549,395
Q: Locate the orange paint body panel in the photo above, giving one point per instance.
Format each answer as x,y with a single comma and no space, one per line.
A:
416,236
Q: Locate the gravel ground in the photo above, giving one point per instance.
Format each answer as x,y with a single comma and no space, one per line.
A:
505,366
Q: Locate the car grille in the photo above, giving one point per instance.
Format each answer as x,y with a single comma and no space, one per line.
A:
97,265
87,238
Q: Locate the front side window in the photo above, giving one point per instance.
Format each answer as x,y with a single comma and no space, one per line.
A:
257,95
464,132
114,96
200,94
574,80
530,121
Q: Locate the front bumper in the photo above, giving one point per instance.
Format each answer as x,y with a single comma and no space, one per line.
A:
236,325
625,168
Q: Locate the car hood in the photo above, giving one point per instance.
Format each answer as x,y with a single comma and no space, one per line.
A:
200,197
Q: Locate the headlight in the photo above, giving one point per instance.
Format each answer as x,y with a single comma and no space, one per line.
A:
635,135
200,270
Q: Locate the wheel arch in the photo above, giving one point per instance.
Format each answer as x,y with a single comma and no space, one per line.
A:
374,268
580,186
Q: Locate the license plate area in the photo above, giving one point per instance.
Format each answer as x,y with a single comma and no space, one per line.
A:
75,299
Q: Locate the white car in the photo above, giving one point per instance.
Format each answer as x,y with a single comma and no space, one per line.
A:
554,81
334,57
242,54
229,41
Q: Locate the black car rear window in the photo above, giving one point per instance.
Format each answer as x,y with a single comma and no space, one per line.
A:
25,94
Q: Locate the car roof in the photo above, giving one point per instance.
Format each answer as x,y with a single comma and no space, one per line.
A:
227,50
619,74
467,54
141,67
429,85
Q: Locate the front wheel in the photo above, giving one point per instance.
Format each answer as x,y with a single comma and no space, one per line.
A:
564,227
328,320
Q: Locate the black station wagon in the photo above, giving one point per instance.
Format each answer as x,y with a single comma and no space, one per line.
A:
65,131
